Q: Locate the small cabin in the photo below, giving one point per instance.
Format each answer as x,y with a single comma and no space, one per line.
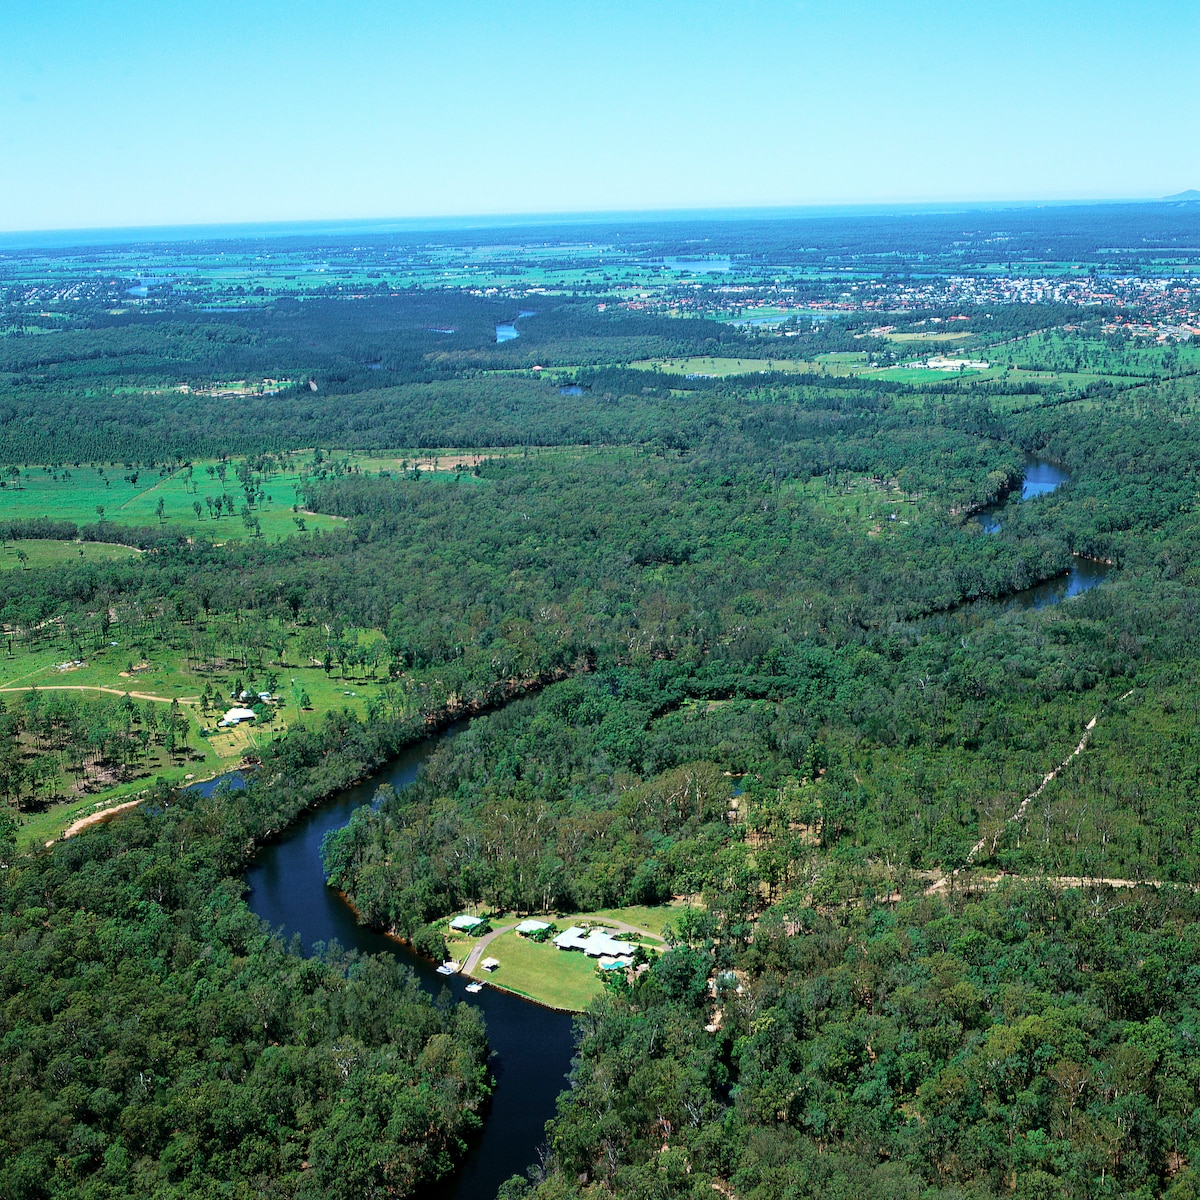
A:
235,716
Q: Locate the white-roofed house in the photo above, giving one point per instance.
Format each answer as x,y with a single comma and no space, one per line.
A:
599,944
464,922
574,938
235,716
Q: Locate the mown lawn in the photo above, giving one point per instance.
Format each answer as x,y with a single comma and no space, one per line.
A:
559,978
651,919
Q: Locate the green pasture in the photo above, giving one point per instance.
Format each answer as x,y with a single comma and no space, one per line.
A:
859,499
30,553
160,670
919,373
766,314
66,804
161,674
1064,354
1053,358
923,336
722,367
80,493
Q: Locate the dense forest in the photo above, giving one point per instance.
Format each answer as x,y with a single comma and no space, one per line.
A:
737,639
1026,1042
159,1042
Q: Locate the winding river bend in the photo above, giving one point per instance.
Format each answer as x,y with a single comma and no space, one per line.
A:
531,1046
1041,478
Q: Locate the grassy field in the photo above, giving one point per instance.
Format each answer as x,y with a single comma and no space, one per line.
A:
160,674
648,919
542,972
30,553
722,367
166,676
843,363
921,336
1052,357
131,496
546,974
39,827
193,658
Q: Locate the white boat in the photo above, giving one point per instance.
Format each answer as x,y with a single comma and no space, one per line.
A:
473,988
448,968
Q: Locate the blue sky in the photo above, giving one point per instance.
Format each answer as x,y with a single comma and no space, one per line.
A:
117,113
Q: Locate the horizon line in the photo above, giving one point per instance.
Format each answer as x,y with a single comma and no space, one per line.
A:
115,235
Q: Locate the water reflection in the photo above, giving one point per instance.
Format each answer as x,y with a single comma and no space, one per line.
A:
1084,575
531,1046
1041,478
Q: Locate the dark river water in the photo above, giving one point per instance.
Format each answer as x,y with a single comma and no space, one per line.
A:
531,1046
1041,478
1082,577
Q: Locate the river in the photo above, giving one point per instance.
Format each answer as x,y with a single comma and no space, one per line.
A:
531,1046
1041,478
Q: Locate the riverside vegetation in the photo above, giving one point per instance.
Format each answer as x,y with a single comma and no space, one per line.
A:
730,639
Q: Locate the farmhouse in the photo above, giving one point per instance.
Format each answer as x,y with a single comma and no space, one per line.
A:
465,922
527,927
235,716
596,944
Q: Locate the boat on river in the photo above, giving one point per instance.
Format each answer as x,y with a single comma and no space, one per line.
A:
475,988
449,967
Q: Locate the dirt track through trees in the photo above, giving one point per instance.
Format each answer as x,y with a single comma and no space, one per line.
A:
941,884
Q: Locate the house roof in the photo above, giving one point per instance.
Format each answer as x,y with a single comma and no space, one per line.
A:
465,921
595,944
571,939
599,944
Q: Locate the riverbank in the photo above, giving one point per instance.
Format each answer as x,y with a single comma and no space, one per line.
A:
562,980
64,820
532,1045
